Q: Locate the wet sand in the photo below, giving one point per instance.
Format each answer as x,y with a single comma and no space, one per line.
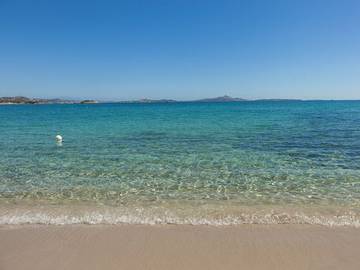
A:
178,247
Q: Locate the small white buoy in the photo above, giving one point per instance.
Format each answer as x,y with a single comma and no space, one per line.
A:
58,138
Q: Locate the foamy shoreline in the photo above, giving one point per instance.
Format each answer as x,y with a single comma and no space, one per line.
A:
212,215
72,214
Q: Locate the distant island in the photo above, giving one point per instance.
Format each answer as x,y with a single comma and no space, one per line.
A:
221,99
216,99
147,100
26,100
89,101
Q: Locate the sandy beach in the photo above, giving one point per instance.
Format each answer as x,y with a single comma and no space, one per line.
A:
178,247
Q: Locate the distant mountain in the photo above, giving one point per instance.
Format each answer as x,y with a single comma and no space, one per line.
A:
217,99
220,99
89,101
25,100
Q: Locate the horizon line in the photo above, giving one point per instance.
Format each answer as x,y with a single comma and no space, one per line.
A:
170,100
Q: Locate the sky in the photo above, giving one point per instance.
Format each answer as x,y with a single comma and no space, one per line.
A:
121,50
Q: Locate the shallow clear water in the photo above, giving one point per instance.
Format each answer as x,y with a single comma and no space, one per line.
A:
221,163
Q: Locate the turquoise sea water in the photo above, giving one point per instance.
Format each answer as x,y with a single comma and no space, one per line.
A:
198,163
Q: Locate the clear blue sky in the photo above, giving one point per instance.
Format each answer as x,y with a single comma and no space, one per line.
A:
180,49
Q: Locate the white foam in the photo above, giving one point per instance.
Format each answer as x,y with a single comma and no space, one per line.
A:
108,217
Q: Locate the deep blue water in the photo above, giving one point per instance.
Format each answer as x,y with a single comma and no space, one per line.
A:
181,162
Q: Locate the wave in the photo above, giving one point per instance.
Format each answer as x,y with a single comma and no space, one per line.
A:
139,217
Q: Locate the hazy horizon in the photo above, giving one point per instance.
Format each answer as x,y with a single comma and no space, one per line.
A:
178,100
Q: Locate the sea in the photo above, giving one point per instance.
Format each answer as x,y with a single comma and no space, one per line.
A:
250,162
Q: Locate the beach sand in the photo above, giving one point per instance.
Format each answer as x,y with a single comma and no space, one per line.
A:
178,247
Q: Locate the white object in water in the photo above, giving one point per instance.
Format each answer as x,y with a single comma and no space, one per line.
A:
58,138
